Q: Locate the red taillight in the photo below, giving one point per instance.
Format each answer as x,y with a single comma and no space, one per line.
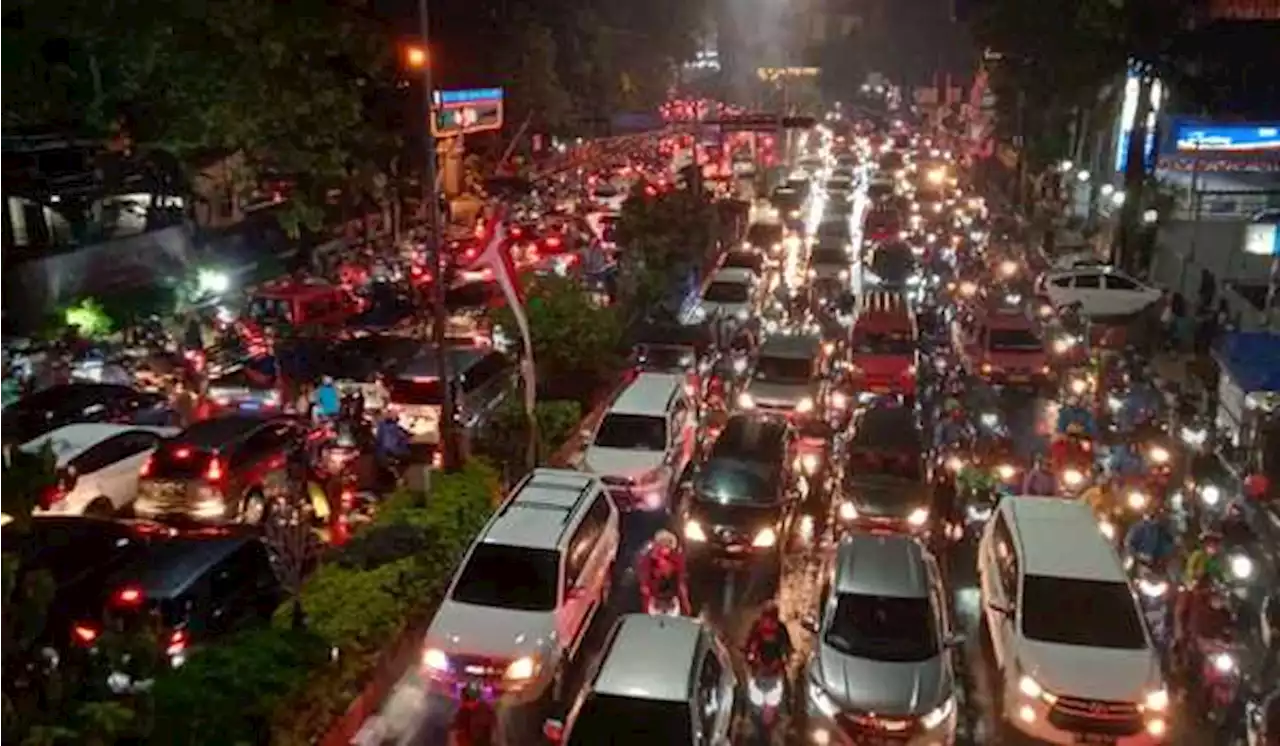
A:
128,597
553,240
182,453
84,634
348,499
177,642
50,497
516,232
214,472
145,471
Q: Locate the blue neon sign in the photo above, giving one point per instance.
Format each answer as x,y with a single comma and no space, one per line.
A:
467,96
1245,138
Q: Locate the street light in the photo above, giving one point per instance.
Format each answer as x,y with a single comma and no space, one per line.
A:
1083,176
1066,165
415,57
1150,216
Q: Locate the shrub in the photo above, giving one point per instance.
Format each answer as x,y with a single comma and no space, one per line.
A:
383,544
506,437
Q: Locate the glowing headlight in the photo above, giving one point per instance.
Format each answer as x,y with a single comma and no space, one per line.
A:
1115,404
1211,494
1062,345
742,314
843,274
761,698
913,281
975,236
1008,268
1078,386
839,400
1158,701
1159,454
1194,436
521,669
1107,528
435,659
955,463
935,717
1137,500
918,517
809,463
1241,567
745,401
968,288
766,538
805,405
990,419
693,532
1030,687
1006,472
1223,663
1012,299
739,365
212,282
1152,589
848,512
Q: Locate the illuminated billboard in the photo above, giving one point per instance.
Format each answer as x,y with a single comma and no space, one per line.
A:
1244,138
465,111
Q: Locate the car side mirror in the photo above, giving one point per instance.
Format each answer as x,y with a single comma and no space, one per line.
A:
809,624
553,730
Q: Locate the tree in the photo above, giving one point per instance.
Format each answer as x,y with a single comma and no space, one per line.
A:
666,237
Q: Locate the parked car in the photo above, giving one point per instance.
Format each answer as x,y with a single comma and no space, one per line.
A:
1099,291
49,409
98,465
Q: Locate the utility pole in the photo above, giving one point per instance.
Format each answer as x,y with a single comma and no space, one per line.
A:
448,420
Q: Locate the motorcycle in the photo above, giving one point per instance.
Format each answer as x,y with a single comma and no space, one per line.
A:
664,598
766,693
1154,592
473,724
1220,677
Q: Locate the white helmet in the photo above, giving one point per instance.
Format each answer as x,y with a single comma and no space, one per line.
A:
666,538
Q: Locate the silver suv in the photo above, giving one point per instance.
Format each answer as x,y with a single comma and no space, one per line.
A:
882,664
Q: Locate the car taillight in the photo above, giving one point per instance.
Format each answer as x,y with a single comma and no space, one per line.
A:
50,497
84,634
177,642
553,241
127,597
145,471
214,472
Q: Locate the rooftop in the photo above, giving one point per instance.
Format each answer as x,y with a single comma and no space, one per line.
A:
632,669
1060,538
881,565
648,394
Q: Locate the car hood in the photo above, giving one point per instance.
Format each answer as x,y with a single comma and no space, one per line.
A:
785,394
465,629
887,497
884,687
620,462
1092,673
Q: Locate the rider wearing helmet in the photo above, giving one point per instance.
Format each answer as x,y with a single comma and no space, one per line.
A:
475,721
1141,402
328,404
769,641
1125,460
1075,417
662,567
391,439
1151,538
1039,479
1205,562
1257,487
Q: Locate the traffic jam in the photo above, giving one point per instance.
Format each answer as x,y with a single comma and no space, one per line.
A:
885,484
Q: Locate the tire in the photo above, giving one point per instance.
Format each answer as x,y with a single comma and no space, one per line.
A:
253,510
100,507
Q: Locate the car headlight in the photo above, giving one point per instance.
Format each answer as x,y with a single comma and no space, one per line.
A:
1211,494
935,717
1107,528
1006,471
745,401
848,512
954,463
918,517
765,538
809,463
435,659
521,669
820,699
839,400
693,531
805,405
1159,454
1241,567
1137,500
1152,588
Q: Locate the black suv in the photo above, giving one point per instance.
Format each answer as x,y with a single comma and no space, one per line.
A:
222,470
739,506
884,485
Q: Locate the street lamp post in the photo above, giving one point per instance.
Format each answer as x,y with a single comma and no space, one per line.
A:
447,423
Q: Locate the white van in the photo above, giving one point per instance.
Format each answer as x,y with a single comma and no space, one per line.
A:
1070,645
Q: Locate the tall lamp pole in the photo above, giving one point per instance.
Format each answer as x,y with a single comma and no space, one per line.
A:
447,425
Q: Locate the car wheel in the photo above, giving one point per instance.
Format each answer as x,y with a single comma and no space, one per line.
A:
254,508
100,507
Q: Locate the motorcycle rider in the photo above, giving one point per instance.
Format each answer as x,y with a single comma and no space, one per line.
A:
327,401
1201,616
1039,479
1125,460
1152,539
391,441
768,641
1074,415
1141,402
662,568
475,722
1205,563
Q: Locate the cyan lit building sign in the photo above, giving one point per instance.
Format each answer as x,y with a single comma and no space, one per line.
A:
468,96
466,111
1245,138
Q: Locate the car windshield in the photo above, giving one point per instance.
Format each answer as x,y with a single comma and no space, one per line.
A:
830,256
726,480
783,369
764,234
883,343
1073,611
632,432
1014,340
607,720
879,462
267,311
662,357
508,577
417,391
726,292
883,628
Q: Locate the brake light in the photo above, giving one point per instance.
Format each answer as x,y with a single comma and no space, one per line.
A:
84,634
214,472
517,232
553,240
348,499
145,471
128,596
177,642
182,453
50,497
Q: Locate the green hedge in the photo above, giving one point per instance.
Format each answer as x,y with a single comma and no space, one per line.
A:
506,437
285,687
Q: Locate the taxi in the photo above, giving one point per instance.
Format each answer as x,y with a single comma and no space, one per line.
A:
1003,348
883,346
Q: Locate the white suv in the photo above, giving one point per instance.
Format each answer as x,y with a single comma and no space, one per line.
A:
1074,656
644,442
523,599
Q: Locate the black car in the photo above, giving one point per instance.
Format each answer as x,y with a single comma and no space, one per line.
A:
893,265
739,506
763,236
884,486
66,404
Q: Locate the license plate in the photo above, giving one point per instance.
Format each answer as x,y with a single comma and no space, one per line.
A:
166,489
735,549
879,389
1095,738
250,406
1019,379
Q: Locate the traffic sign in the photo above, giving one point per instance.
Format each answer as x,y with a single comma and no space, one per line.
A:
461,112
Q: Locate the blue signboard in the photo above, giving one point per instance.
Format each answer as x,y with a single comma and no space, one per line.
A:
1245,138
467,96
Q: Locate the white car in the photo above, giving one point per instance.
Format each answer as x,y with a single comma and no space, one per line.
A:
1099,291
731,294
98,466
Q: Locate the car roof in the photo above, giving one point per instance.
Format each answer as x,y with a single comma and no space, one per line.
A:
889,565
220,431
541,509
1060,538
1008,320
800,346
170,566
746,434
648,394
292,289
72,440
427,362
70,395
632,669
890,426
736,275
